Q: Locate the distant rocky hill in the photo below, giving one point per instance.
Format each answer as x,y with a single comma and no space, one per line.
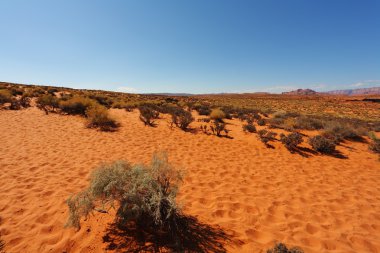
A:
300,92
352,92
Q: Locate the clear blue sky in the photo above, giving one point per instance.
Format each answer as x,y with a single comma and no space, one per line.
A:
195,46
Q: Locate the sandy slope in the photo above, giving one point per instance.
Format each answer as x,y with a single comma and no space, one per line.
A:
321,203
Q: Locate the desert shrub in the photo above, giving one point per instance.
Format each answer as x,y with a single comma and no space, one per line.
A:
148,114
282,248
37,91
249,127
17,91
182,118
15,104
25,100
52,91
217,127
291,141
374,146
308,123
76,105
202,109
2,246
265,136
103,100
339,132
261,122
217,114
98,117
48,103
322,144
5,96
144,195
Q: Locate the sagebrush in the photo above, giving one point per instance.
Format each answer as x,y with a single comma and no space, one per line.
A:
144,195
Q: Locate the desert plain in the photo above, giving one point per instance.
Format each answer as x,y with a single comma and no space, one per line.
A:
258,195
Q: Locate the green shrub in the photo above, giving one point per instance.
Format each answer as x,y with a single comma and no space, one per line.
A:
265,136
98,117
291,141
322,144
148,114
144,195
76,105
217,114
48,103
5,96
281,248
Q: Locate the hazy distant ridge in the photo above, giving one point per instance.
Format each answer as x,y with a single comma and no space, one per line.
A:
352,92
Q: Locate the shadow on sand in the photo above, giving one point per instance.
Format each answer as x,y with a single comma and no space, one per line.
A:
187,235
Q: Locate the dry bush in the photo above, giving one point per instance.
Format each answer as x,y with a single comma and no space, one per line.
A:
102,99
261,122
291,141
182,118
374,146
17,91
308,123
218,127
265,136
144,195
322,144
48,103
76,105
217,114
282,248
202,109
249,127
148,114
5,96
98,117
338,132
2,246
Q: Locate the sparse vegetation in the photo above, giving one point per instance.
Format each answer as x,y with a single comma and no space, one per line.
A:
322,144
266,136
5,96
338,132
76,105
282,248
291,141
98,117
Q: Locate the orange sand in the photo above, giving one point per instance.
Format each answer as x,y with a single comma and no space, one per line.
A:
320,203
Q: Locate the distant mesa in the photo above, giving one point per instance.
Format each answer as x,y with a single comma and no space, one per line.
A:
353,92
349,92
301,92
